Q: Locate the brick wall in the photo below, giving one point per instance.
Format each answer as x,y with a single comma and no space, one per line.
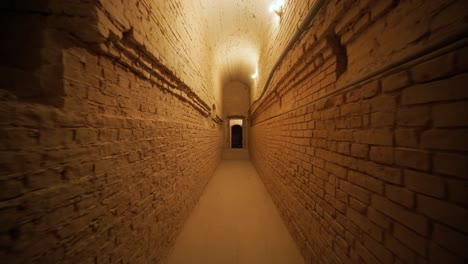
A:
361,135
110,172
277,38
166,31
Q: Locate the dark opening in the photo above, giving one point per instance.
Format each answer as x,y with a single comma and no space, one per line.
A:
236,136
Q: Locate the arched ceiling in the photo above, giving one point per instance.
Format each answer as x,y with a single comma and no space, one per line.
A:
237,30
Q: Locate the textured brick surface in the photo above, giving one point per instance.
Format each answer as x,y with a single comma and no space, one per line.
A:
393,147
110,173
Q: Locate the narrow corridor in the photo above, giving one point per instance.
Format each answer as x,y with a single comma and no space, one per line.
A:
235,221
336,131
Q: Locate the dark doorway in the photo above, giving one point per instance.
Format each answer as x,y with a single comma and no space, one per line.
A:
236,136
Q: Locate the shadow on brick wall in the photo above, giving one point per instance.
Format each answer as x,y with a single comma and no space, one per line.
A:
33,38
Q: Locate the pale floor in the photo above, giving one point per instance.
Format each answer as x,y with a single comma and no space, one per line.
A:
235,221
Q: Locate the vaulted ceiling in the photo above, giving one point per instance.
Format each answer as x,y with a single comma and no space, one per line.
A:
237,31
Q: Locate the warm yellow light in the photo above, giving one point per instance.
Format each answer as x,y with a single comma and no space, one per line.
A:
272,8
277,7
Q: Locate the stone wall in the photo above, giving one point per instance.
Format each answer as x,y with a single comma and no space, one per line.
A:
108,170
361,135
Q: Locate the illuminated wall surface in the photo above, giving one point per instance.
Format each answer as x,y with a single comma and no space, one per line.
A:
114,116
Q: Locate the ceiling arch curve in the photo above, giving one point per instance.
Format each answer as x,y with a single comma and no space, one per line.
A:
236,33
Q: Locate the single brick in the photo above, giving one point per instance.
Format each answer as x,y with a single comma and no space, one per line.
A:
414,221
365,224
407,137
438,254
451,164
395,82
108,135
378,250
354,122
400,250
415,116
134,156
344,148
382,154
350,109
450,115
384,103
341,242
448,89
18,138
385,173
365,254
378,218
412,159
411,239
341,196
365,181
55,136
359,150
458,191
379,120
424,183
357,205
370,89
86,136
352,96
444,212
450,239
41,180
400,195
433,69
336,170
453,139
355,191
374,137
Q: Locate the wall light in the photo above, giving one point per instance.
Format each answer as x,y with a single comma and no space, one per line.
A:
255,75
277,7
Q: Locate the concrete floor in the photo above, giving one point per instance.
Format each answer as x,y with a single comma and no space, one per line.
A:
235,221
